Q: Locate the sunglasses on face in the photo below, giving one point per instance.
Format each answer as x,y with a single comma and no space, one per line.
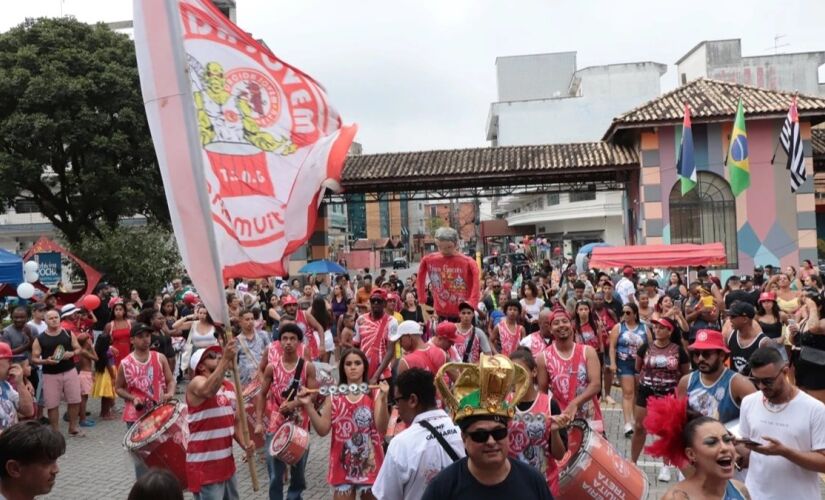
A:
627,313
481,436
702,354
376,301
766,381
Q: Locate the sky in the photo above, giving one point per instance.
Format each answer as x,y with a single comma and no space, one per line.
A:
419,75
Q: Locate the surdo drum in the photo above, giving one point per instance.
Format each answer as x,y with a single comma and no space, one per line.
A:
289,443
592,468
250,393
158,439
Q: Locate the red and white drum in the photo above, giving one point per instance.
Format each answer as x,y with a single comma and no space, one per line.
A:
592,468
250,394
158,439
289,443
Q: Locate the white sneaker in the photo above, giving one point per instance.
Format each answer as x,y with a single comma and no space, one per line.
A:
628,430
664,474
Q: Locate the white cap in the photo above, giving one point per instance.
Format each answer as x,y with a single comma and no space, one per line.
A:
406,328
195,360
68,310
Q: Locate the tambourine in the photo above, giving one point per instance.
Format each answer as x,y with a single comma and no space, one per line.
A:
344,389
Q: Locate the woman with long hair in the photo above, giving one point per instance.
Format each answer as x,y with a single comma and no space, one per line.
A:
531,305
676,288
787,298
119,329
808,339
646,309
358,422
587,328
666,309
105,374
688,438
411,310
768,315
808,269
202,332
320,312
625,340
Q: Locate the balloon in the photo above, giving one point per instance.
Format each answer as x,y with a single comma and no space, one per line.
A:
39,295
91,302
25,290
30,266
32,276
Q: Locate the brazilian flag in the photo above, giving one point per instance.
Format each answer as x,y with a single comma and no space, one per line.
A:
740,174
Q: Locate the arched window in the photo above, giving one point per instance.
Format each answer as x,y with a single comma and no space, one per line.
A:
706,214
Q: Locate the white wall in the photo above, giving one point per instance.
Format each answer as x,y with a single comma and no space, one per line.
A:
536,76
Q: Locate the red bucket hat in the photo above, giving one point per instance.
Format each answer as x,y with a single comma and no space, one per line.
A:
709,340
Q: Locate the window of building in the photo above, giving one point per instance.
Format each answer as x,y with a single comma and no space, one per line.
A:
707,214
25,207
552,199
384,213
582,196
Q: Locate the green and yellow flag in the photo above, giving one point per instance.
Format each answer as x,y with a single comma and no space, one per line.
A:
740,174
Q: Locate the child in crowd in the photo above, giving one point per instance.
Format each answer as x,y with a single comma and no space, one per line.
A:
104,385
87,357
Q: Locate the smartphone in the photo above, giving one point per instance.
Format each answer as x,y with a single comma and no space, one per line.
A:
749,442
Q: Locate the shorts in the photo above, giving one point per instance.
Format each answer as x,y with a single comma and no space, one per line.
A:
360,489
643,392
57,386
86,382
625,367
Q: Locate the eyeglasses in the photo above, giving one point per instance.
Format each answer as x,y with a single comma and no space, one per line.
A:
766,381
625,313
701,354
376,301
401,398
481,436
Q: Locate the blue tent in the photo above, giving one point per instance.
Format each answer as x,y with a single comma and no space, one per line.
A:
11,268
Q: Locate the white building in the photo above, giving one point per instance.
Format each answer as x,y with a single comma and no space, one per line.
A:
722,60
544,99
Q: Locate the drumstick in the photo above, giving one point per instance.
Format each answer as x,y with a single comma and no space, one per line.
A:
319,388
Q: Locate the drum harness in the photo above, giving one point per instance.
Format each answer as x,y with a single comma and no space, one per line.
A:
443,442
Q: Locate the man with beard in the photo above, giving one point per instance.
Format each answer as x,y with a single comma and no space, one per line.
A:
572,372
789,427
540,340
373,332
745,337
714,390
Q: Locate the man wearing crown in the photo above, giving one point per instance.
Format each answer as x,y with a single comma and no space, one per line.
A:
482,404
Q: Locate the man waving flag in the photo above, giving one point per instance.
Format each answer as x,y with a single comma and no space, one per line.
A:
740,175
792,144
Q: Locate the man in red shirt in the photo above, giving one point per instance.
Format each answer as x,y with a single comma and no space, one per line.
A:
454,276
417,353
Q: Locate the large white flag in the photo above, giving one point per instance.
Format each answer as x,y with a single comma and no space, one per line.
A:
246,143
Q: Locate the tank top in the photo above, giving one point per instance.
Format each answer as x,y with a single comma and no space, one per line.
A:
209,457
740,355
310,339
48,344
568,379
374,337
122,341
660,368
772,330
461,344
587,336
629,341
355,451
787,306
508,339
732,492
144,380
713,400
430,358
530,440
537,343
281,379
202,340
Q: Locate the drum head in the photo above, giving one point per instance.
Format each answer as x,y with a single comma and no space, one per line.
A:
577,434
282,436
152,425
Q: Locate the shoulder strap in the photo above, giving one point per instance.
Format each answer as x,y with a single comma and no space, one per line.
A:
443,442
468,347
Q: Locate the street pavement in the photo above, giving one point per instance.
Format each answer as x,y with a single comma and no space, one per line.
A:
97,467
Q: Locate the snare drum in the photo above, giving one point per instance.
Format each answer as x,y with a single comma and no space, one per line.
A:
250,394
289,443
158,439
592,468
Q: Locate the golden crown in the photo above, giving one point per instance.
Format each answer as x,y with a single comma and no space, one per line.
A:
494,386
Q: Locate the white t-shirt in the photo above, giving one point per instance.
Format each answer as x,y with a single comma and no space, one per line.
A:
625,289
533,309
329,342
38,328
414,458
801,426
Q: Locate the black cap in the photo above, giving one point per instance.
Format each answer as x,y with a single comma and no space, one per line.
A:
758,269
139,328
745,277
741,308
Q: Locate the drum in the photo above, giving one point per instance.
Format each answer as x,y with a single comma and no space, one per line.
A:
289,443
158,439
592,468
395,425
250,394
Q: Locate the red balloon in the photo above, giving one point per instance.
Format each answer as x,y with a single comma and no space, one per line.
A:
91,302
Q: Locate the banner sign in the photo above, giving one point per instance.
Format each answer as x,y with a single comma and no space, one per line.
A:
49,267
245,142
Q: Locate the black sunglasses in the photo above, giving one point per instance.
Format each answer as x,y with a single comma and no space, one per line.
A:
767,381
481,436
702,354
627,312
377,301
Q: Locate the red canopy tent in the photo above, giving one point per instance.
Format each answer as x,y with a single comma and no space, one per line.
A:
46,245
665,256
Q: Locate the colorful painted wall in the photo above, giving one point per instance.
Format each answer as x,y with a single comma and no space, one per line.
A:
774,226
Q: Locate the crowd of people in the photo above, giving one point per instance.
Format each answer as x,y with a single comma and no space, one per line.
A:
749,354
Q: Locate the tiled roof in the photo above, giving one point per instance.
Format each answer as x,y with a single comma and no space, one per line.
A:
712,100
484,165
818,141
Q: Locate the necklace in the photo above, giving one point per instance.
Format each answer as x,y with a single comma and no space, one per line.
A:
778,408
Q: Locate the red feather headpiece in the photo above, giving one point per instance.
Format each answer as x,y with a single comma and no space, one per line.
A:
666,418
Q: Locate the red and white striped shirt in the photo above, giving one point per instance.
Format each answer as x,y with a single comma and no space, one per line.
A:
209,457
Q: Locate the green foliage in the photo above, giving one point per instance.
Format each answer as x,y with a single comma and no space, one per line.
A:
143,258
433,223
73,132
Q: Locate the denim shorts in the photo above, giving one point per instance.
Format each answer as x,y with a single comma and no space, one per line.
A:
625,367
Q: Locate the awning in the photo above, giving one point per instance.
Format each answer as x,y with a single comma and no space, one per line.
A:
684,255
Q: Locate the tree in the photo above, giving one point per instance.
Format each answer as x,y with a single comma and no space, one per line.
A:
73,132
433,223
142,258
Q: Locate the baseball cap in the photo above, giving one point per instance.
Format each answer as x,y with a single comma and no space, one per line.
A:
765,296
139,328
67,310
465,305
448,331
709,340
741,308
379,293
195,360
405,328
288,299
665,323
628,270
5,351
